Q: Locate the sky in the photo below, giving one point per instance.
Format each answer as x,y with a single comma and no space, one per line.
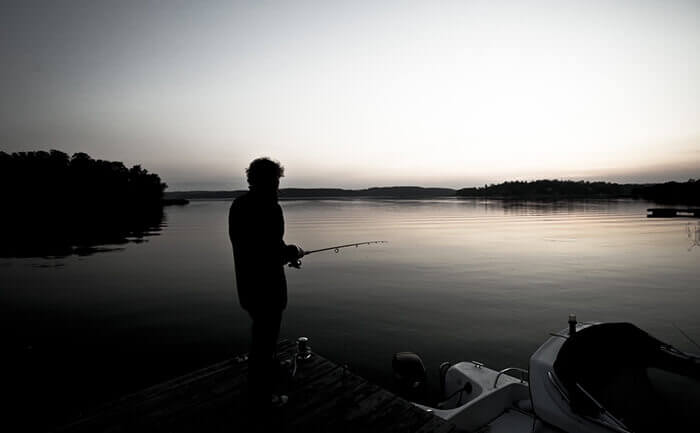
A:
359,93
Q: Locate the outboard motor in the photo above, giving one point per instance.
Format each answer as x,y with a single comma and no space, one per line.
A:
409,375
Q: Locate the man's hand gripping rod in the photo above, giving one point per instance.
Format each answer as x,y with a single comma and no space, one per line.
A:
297,263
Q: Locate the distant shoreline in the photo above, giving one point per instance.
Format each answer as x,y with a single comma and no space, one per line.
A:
680,193
404,192
450,197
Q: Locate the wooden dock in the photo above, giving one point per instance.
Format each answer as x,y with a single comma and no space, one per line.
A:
666,212
323,397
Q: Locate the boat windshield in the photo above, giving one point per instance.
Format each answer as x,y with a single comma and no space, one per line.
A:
648,385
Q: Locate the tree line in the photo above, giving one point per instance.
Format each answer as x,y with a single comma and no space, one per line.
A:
668,193
549,189
671,192
56,205
77,180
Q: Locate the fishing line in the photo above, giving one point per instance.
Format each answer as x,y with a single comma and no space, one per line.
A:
685,335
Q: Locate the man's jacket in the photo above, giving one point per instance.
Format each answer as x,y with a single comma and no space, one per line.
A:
256,228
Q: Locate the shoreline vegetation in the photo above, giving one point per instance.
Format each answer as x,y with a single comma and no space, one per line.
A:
58,205
672,193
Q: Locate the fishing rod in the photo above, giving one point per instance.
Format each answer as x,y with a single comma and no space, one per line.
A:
338,247
297,263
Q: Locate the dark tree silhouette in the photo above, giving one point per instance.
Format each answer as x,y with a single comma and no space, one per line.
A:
56,205
549,189
687,193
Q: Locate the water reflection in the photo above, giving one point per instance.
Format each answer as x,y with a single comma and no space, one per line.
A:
459,279
36,234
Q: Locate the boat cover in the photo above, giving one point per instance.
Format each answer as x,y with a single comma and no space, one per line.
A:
641,381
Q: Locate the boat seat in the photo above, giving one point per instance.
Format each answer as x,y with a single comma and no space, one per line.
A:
612,362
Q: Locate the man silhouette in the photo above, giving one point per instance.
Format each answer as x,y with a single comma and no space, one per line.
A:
256,229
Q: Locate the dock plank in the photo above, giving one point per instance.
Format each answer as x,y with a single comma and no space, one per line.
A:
324,397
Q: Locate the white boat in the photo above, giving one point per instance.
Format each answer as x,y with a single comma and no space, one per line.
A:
589,378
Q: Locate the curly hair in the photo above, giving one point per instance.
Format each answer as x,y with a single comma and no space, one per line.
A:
263,171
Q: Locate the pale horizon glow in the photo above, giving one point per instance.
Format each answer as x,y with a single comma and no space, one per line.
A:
360,94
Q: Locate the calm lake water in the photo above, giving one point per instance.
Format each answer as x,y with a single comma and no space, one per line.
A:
458,280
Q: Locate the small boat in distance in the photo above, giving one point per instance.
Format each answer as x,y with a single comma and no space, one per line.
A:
591,377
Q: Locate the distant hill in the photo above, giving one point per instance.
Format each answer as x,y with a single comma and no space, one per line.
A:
398,192
188,195
681,193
